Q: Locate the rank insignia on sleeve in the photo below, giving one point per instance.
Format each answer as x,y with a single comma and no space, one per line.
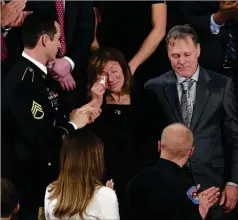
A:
37,110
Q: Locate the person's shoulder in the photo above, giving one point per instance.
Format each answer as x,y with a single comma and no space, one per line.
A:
23,71
144,177
105,194
49,204
105,191
158,80
16,70
219,78
48,191
20,77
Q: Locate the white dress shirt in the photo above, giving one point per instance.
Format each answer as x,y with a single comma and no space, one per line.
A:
215,28
180,79
37,63
104,206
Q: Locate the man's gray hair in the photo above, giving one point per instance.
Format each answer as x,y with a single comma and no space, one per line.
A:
181,32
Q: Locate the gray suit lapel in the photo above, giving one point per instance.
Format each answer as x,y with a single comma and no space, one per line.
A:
202,94
171,94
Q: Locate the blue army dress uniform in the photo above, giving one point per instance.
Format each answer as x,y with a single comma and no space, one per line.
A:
36,125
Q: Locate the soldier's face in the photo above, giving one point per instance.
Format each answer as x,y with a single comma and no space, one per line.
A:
54,44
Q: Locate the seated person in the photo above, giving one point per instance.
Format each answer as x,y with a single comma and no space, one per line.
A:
9,199
78,192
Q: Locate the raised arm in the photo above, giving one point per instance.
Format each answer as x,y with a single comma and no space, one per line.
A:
159,17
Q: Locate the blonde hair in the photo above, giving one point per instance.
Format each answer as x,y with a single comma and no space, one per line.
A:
82,167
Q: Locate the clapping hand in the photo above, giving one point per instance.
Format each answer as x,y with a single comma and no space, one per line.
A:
207,199
12,14
110,184
229,198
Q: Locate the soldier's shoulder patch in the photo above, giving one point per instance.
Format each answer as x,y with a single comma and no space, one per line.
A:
37,110
28,74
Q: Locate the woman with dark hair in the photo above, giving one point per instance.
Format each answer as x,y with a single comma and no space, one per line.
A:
78,192
125,122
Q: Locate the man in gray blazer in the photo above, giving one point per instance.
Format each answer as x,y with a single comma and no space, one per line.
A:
205,102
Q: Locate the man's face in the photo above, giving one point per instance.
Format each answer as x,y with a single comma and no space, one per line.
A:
54,45
183,55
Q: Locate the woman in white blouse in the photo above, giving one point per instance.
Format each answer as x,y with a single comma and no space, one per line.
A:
78,192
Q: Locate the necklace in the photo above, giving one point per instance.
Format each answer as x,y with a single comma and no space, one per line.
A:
122,99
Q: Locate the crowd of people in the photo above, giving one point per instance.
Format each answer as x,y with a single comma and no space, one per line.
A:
119,110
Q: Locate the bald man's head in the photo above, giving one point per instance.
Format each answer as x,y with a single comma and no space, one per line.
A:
176,141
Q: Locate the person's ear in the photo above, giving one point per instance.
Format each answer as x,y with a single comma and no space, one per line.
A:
159,146
44,40
17,208
198,50
191,151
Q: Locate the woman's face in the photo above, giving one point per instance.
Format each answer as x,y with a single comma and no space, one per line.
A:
114,76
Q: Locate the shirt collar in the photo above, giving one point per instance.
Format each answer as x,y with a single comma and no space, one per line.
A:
194,77
38,64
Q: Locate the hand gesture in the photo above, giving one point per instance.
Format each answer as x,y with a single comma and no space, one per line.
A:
67,82
229,198
98,91
110,184
59,68
84,115
207,199
10,11
229,9
20,19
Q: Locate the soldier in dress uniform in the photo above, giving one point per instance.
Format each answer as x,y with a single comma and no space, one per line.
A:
33,117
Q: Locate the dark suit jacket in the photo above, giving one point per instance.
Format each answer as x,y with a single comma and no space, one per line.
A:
158,193
214,124
79,30
198,14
